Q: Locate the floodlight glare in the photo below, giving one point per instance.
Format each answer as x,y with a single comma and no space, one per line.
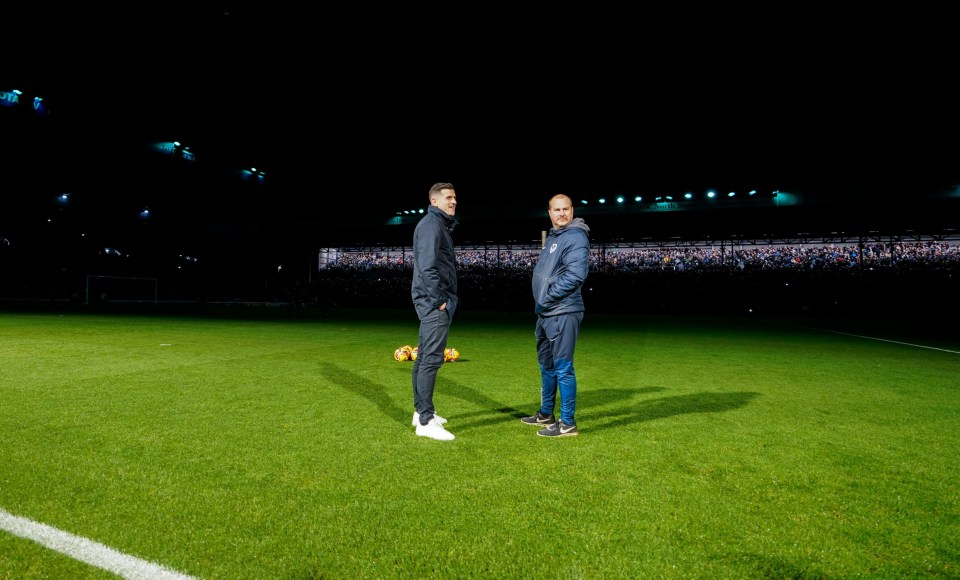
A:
688,195
711,194
638,198
620,199
732,194
602,200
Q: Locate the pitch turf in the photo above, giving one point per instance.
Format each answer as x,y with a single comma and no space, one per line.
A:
269,447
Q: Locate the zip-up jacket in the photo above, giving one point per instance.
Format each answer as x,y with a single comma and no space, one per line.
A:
434,263
561,270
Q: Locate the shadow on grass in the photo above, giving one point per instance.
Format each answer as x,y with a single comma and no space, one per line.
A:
372,391
648,410
380,396
492,411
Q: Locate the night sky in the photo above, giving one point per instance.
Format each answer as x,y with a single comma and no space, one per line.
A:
354,115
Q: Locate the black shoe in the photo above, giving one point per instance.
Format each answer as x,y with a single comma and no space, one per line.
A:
539,419
559,429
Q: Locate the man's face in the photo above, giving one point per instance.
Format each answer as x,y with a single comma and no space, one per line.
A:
446,201
561,212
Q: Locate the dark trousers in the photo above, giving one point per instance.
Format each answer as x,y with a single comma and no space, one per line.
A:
432,339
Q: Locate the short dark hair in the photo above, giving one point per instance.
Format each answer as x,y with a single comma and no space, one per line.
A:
436,188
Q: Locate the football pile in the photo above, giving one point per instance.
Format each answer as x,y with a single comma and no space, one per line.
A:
407,352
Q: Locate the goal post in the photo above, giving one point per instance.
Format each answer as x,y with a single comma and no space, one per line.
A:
102,289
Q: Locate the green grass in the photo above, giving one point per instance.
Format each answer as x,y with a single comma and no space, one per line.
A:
282,448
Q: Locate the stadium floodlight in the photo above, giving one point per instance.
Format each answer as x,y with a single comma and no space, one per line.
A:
63,198
638,199
583,201
620,199
602,200
688,195
732,194
145,213
711,194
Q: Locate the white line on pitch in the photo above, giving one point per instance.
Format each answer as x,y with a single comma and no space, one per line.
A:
893,341
86,550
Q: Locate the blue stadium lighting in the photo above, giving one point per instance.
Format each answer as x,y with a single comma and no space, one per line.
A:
688,195
145,213
732,194
10,98
669,198
620,199
752,192
638,199
583,201
711,194
421,210
63,198
602,200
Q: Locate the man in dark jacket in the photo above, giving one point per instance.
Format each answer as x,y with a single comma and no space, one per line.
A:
557,278
434,292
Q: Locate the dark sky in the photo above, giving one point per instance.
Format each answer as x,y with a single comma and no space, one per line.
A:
355,113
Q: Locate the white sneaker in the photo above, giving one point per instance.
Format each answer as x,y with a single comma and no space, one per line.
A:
416,419
434,430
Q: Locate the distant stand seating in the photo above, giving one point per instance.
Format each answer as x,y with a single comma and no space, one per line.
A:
808,279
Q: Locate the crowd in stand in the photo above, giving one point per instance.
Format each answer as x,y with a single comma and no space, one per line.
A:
806,278
860,277
627,259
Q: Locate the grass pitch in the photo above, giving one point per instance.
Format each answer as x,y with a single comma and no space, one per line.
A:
282,448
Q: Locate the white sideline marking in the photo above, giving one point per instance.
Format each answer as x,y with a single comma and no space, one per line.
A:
86,550
893,341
